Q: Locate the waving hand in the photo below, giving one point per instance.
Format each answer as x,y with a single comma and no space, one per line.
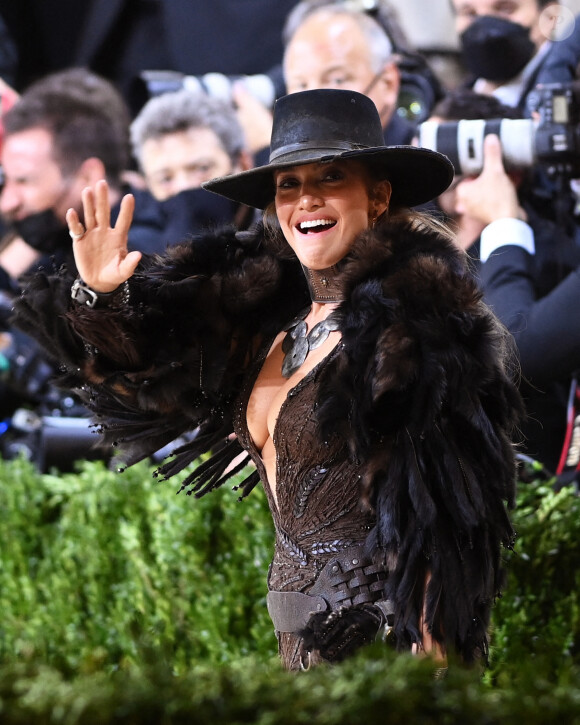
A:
100,251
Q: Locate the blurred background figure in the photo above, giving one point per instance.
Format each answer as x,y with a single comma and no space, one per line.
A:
332,46
418,87
508,49
67,130
56,139
341,45
182,139
504,45
528,267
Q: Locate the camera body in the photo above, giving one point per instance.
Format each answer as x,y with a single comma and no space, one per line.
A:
550,139
420,89
265,87
47,425
557,136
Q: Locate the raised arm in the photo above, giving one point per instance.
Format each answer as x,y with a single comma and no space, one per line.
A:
100,251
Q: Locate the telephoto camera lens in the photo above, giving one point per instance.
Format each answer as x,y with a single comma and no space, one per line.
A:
462,142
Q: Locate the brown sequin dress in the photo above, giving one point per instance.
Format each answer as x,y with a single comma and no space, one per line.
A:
318,513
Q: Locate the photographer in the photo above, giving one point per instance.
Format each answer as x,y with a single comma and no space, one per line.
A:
530,272
504,46
527,263
337,44
461,105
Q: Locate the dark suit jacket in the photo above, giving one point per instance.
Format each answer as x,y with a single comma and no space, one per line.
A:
537,298
226,36
44,33
120,38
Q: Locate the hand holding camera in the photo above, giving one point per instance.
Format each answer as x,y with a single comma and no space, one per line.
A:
492,195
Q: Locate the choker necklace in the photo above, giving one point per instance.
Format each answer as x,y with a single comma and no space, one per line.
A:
297,344
323,284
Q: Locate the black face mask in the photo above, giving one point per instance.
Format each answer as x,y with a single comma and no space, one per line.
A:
44,232
496,49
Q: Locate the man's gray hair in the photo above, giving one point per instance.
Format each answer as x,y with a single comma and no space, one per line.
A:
378,42
184,109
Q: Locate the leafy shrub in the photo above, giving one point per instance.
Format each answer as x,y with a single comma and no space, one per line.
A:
93,565
122,602
372,687
537,620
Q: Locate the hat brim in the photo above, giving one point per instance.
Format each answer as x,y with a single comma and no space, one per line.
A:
417,175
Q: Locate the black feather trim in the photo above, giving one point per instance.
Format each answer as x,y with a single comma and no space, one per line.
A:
424,397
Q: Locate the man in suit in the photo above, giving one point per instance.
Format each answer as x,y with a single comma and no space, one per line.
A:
333,46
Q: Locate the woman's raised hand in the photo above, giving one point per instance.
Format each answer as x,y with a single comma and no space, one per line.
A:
100,251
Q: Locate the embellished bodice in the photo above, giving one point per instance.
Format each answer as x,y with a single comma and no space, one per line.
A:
317,511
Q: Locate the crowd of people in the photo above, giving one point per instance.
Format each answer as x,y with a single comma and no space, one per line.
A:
292,274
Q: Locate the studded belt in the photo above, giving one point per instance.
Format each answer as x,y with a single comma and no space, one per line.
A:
347,579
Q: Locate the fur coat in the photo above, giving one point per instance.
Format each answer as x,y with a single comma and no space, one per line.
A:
420,390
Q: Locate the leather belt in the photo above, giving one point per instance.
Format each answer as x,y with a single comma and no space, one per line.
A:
346,580
290,611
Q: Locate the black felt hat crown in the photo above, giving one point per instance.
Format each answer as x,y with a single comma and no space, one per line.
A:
325,125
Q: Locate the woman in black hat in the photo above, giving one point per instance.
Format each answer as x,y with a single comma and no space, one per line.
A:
345,343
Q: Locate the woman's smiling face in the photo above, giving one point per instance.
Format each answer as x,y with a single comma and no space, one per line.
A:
322,207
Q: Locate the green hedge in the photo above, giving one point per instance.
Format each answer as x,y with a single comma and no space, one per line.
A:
93,565
369,689
122,602
538,618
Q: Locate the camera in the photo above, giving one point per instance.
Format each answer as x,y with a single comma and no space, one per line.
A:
46,425
265,87
550,138
420,89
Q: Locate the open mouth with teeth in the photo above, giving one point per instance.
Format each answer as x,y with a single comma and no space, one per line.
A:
315,226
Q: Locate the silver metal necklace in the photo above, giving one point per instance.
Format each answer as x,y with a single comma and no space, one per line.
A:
298,343
324,286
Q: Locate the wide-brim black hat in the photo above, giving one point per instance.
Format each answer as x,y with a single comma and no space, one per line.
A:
325,125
